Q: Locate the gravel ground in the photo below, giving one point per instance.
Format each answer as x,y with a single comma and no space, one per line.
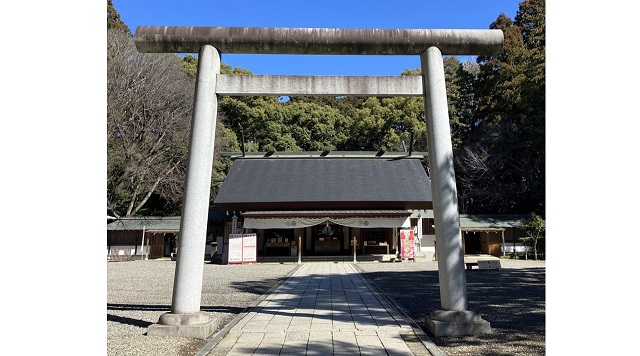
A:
138,292
511,299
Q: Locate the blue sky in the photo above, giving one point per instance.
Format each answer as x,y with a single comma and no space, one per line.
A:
409,14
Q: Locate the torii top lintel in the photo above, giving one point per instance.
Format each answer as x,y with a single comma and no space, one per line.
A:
185,39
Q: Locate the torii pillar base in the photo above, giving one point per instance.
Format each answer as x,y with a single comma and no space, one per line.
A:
456,323
194,326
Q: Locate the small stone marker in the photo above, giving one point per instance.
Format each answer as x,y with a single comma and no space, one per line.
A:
388,258
488,264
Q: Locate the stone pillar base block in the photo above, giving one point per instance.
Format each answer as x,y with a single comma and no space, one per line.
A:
456,323
194,325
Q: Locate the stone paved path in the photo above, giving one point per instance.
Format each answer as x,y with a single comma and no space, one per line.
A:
323,309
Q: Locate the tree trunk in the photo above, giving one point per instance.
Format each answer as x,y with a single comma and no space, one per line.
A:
153,188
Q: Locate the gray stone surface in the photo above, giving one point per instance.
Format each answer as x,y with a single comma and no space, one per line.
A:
189,39
193,224
453,289
194,325
440,328
319,85
328,284
456,323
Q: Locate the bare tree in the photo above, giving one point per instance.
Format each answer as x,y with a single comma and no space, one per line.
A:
474,177
149,103
493,174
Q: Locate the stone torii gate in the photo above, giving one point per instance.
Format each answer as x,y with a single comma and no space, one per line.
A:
185,318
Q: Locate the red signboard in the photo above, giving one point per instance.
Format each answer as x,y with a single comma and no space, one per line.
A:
406,244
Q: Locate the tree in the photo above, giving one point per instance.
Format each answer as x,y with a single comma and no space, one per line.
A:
315,127
294,125
149,102
226,141
535,229
263,121
371,129
459,80
530,19
113,19
190,65
501,165
460,97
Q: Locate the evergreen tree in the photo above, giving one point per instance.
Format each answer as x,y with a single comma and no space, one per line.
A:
500,167
535,228
113,19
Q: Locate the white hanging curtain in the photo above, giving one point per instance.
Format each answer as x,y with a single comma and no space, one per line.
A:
373,222
292,223
257,223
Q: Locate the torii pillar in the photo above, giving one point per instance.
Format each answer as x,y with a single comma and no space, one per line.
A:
185,318
453,319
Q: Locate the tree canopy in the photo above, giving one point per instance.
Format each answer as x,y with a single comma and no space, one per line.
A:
149,100
501,165
149,105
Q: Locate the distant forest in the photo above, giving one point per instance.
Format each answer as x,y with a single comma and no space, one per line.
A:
496,109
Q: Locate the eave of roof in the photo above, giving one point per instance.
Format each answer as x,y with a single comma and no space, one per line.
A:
147,223
471,221
482,229
327,154
327,214
468,222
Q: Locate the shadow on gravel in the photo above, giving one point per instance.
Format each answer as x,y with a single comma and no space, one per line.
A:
138,307
128,321
512,300
160,308
257,287
134,307
220,309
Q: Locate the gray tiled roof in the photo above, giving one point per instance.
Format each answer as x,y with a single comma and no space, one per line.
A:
470,222
150,223
325,184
